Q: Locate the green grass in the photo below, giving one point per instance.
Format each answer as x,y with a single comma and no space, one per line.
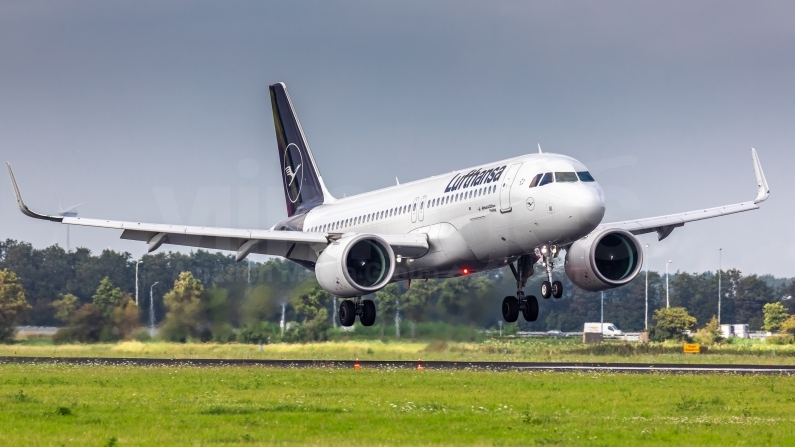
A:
540,350
99,405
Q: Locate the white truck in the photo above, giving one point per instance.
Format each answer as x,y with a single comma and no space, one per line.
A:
606,329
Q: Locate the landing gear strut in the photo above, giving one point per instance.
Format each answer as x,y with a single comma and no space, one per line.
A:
549,287
528,305
349,309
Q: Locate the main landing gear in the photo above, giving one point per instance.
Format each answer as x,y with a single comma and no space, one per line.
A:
349,309
549,287
528,305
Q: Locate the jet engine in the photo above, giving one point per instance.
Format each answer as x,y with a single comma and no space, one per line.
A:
604,259
355,265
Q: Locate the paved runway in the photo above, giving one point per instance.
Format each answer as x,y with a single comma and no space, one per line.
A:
641,368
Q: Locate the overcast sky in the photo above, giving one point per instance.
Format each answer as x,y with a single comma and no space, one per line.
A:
159,111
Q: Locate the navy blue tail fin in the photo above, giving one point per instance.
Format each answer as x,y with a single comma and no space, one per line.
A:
303,186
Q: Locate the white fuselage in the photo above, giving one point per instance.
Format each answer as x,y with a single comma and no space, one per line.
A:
476,219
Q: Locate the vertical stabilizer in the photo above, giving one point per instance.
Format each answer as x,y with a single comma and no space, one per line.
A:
303,186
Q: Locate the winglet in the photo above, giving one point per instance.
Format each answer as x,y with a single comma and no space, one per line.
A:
22,207
761,183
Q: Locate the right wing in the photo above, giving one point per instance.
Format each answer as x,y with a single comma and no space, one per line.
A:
296,245
664,225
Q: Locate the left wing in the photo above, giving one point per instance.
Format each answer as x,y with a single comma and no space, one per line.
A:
296,245
664,225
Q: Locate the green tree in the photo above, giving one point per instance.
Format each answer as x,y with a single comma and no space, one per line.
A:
13,304
775,314
112,315
259,304
186,304
386,300
218,315
107,297
311,307
709,334
414,303
671,324
85,326
751,294
788,326
123,321
65,307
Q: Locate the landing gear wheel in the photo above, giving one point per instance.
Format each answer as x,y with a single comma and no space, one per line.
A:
510,309
546,290
557,289
368,313
347,313
530,311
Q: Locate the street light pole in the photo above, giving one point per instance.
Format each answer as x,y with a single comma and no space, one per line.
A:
136,281
152,309
602,318
667,299
720,267
646,315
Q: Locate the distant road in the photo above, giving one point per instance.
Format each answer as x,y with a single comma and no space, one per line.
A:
638,368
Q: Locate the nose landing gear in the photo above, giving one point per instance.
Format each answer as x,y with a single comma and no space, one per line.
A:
349,309
549,287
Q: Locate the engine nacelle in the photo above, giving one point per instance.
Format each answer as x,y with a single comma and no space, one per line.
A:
355,266
603,260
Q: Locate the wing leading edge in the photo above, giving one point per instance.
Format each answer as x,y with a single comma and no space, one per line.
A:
664,225
298,245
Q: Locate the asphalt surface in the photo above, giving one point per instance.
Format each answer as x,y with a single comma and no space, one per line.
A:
638,368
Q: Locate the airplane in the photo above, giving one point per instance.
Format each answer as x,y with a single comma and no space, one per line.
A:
517,213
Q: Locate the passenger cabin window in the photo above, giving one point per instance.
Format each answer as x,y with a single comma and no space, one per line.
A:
585,176
565,177
547,178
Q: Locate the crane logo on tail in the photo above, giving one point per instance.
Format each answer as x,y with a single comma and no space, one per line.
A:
289,171
293,160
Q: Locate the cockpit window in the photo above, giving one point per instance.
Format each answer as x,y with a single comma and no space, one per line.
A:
565,177
536,179
547,178
585,176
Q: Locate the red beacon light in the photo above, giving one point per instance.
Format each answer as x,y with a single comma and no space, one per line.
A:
466,271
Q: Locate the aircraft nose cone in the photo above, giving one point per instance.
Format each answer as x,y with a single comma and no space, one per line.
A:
593,209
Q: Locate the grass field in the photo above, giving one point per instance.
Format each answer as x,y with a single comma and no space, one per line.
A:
99,405
542,350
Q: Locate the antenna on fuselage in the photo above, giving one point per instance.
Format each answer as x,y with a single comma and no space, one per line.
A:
539,148
397,182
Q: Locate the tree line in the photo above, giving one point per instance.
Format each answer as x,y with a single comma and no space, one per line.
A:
246,301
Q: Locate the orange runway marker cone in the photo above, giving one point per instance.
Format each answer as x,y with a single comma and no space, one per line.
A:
419,365
356,365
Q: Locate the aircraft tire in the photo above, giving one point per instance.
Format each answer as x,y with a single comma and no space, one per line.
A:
368,313
557,289
546,290
510,309
530,312
347,313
